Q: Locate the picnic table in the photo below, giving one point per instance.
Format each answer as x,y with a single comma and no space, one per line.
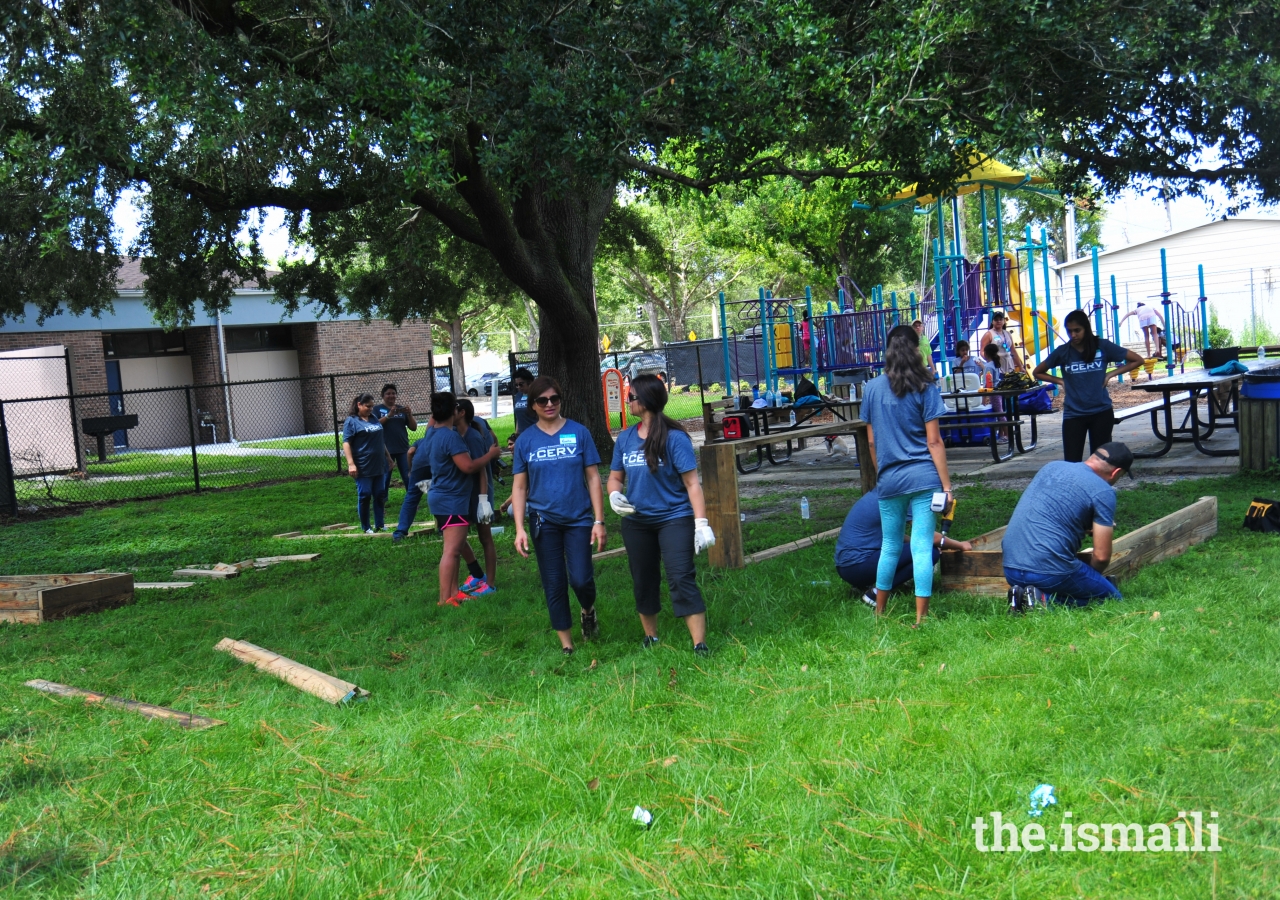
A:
1223,406
1009,420
775,422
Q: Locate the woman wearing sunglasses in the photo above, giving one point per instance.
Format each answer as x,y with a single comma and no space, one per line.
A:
555,477
664,518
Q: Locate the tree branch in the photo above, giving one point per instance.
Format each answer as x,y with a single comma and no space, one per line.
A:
760,169
461,224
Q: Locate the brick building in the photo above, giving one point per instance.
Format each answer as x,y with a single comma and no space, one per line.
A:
277,366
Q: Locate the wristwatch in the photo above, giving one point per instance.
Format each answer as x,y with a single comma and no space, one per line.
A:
598,522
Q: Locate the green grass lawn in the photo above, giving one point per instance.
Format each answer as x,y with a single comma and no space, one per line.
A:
817,753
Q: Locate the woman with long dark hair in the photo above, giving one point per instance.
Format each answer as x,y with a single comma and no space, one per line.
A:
479,440
555,477
664,515
902,408
1087,410
364,446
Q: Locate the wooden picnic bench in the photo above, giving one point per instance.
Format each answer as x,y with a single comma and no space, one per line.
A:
1222,393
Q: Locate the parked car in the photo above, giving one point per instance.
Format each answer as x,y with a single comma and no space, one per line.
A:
647,362
478,384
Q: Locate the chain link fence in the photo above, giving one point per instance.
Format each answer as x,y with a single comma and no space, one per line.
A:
75,449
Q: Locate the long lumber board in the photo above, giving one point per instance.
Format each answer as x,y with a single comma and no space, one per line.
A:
791,546
981,570
304,678
185,719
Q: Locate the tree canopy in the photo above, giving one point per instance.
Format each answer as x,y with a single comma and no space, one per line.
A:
510,123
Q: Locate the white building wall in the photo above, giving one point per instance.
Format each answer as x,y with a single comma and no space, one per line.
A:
40,432
264,411
1241,259
162,416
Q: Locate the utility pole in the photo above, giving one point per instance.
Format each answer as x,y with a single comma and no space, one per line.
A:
1069,232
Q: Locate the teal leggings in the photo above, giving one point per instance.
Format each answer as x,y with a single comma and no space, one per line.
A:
893,525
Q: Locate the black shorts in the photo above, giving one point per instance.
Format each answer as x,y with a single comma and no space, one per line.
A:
443,522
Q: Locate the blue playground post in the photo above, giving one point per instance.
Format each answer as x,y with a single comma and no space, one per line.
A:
999,225
986,252
1048,303
1077,292
813,343
1031,281
1097,296
1115,318
764,341
793,338
724,346
913,307
1164,295
893,299
1204,314
844,307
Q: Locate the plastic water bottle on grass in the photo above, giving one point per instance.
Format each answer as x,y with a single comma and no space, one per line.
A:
804,508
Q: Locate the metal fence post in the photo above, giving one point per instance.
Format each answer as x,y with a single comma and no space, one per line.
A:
8,489
191,429
333,422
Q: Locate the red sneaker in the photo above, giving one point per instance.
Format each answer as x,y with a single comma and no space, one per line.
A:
456,600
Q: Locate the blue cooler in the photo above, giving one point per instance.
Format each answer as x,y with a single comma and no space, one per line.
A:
1264,385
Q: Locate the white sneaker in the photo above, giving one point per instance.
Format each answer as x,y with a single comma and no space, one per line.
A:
370,531
869,598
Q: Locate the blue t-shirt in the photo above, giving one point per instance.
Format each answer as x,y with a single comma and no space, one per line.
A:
1085,380
897,423
860,535
1055,512
421,468
477,446
658,496
367,446
451,488
483,427
524,414
396,428
555,464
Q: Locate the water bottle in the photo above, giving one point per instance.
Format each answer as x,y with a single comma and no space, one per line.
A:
804,508
793,418
1262,352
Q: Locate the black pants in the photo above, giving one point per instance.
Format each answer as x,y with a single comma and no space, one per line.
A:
564,561
668,543
1096,427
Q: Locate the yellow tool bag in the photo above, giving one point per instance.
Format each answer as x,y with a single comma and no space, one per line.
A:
1263,516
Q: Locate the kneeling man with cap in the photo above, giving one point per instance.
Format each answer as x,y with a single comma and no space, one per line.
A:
1065,501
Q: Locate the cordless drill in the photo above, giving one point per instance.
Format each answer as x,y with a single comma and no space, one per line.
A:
946,508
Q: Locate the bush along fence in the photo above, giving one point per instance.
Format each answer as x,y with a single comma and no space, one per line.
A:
78,449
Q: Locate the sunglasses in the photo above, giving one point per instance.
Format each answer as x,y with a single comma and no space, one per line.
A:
631,398
553,400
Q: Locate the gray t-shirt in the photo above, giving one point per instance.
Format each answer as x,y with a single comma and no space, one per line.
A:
1085,380
897,423
1058,508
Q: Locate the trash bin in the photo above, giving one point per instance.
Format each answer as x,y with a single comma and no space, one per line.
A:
1259,424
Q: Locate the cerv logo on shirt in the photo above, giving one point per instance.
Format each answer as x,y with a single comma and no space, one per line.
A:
1079,368
633,458
567,448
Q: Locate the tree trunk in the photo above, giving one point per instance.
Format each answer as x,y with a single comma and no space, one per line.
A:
456,350
655,332
531,313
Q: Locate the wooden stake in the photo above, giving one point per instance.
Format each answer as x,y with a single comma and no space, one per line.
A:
334,527
287,534
794,545
185,719
162,585
262,561
230,572
304,678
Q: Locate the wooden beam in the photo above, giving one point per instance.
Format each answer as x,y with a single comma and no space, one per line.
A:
305,678
792,546
185,719
866,466
720,488
162,585
263,561
215,572
287,534
609,554
981,570
1164,538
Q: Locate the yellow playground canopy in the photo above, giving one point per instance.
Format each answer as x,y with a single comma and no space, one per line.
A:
984,172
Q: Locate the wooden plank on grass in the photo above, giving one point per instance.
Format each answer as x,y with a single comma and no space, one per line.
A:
185,719
304,678
287,534
609,554
792,546
230,572
335,527
162,585
296,557
96,593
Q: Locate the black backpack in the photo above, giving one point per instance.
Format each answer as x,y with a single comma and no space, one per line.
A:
1263,516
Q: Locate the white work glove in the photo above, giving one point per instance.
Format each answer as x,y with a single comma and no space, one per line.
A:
621,505
424,485
703,536
484,511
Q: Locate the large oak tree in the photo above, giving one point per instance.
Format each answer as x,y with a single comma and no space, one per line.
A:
511,122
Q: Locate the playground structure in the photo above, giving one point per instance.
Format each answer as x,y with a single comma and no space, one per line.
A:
767,341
